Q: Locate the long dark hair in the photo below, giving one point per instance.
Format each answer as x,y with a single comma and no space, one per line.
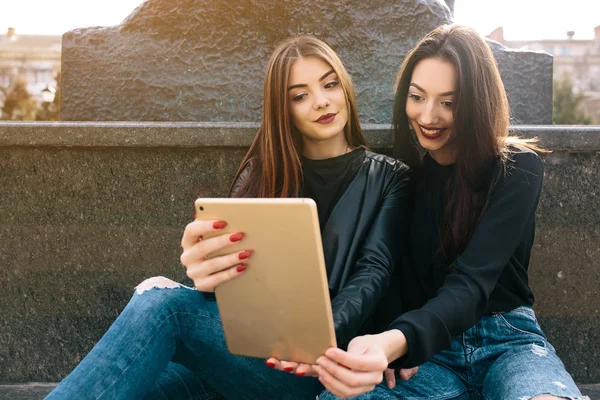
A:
272,165
481,122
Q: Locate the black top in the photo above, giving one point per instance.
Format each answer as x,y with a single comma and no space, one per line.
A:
326,180
489,276
363,237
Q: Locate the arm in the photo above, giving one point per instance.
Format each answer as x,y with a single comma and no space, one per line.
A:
381,249
241,179
462,300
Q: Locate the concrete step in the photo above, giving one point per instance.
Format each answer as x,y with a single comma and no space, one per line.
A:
37,391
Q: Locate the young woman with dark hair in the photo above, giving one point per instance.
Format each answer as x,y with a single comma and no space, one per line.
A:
168,342
463,305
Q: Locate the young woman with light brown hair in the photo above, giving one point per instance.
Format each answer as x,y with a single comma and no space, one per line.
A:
169,343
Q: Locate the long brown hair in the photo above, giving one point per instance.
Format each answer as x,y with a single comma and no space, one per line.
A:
481,125
272,165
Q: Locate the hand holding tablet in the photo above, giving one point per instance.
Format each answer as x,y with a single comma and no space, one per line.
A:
279,306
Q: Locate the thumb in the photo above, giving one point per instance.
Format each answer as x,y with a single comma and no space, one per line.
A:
390,378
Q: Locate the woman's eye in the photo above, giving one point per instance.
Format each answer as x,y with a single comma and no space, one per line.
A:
447,104
299,97
415,97
331,84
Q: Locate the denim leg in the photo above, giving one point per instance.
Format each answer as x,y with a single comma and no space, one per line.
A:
432,382
528,365
135,350
165,322
529,371
177,382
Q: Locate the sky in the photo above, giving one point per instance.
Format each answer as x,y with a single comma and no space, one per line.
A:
521,19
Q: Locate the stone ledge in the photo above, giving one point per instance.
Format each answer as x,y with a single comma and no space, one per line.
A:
570,138
35,391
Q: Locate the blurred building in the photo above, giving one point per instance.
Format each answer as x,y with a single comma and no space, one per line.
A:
33,57
580,58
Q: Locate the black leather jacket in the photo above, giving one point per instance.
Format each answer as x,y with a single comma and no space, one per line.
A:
363,240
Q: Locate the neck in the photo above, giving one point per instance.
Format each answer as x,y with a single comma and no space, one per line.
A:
323,149
444,156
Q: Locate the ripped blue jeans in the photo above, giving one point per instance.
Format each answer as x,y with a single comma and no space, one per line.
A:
168,343
505,356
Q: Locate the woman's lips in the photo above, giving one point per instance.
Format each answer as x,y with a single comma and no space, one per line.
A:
326,119
431,133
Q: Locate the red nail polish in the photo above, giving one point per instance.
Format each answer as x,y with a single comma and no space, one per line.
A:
236,237
241,268
245,254
288,369
219,225
299,373
270,364
195,216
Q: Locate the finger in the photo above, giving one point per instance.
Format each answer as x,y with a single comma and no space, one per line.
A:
276,363
201,267
209,283
350,378
204,248
390,378
406,374
341,388
271,362
359,362
306,370
195,230
289,366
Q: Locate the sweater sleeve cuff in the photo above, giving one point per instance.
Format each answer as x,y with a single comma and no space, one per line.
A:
409,332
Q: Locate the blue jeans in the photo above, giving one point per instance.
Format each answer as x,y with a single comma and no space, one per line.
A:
504,356
168,343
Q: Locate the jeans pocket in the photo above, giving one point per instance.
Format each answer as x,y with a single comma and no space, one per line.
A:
522,322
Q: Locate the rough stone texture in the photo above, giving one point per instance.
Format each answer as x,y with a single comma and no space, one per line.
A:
527,77
190,60
31,391
84,221
450,4
185,60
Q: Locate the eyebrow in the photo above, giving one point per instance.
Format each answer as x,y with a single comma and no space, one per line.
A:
423,90
325,75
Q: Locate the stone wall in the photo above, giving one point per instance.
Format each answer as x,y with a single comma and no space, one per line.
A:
204,60
89,210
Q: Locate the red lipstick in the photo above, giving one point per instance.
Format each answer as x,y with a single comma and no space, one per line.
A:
431,133
326,119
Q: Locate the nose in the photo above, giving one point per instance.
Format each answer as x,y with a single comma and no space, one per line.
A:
429,115
321,100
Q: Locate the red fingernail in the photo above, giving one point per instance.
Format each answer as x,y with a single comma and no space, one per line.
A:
270,364
241,268
219,225
195,216
245,254
299,373
288,369
236,237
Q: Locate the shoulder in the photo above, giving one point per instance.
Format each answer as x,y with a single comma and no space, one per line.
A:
522,170
393,175
243,176
385,163
523,159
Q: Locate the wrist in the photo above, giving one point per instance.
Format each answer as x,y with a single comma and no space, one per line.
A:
394,344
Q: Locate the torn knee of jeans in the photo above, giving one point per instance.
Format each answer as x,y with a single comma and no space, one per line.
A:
560,384
156,282
539,350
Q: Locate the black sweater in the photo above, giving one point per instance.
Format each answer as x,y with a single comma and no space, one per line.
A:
490,275
361,237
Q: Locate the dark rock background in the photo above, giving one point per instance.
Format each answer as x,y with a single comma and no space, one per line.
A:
202,60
